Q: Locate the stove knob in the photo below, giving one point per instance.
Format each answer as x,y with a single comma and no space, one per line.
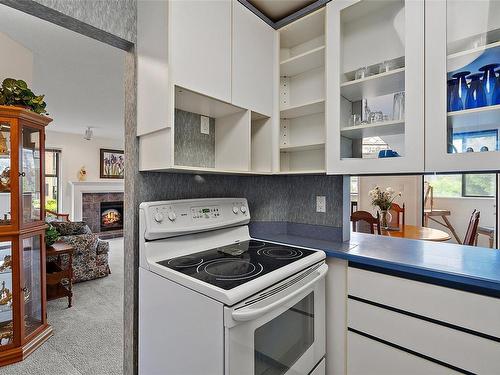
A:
158,217
171,216
243,209
235,209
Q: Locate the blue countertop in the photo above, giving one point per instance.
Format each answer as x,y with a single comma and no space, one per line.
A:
471,267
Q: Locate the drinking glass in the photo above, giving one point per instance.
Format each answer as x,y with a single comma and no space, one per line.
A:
462,86
454,103
496,91
475,95
398,106
385,67
354,120
489,80
361,73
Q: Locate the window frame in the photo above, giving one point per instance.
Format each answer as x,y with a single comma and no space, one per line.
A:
464,186
57,175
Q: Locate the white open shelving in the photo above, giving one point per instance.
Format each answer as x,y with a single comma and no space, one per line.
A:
472,118
374,130
375,85
302,95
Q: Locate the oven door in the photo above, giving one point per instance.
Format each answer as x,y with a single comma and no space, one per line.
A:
279,331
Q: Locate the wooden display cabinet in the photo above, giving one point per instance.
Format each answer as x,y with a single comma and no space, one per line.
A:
23,318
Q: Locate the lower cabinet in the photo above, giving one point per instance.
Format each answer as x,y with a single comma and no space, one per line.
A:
367,356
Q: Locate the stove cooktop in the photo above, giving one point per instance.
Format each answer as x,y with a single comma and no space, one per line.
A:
230,266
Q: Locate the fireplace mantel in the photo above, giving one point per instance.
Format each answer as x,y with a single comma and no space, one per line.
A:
78,188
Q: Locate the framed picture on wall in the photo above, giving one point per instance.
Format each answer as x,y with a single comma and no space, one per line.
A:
112,163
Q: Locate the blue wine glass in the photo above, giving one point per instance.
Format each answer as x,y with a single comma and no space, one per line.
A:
496,90
475,96
462,85
454,101
489,79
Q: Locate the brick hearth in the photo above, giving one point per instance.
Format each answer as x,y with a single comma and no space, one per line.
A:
91,203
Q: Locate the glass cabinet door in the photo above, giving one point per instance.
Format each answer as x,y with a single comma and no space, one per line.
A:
5,168
31,198
463,85
375,86
6,316
32,287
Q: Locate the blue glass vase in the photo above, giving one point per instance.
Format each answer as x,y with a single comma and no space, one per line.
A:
454,101
462,85
489,80
475,96
496,91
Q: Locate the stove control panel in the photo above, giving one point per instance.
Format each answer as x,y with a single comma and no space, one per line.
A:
172,218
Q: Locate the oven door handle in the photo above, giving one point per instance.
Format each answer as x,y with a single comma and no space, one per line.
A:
249,313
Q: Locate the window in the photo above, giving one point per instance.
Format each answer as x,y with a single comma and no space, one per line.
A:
462,185
479,141
52,180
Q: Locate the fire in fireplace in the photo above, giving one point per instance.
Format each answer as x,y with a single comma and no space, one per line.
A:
111,216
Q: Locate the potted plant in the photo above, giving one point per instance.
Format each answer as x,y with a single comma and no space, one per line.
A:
16,92
51,235
382,199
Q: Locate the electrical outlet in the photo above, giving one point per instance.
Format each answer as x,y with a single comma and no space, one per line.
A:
205,125
320,203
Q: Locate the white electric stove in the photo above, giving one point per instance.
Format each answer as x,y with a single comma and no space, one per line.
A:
212,300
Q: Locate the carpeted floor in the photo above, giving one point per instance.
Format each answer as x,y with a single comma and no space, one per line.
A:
87,337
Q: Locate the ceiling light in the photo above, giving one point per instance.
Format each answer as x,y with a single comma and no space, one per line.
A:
88,134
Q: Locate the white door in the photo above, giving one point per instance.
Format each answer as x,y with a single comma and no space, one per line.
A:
200,46
375,84
462,99
254,50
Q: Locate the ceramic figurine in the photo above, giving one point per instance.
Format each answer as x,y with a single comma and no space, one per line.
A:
82,174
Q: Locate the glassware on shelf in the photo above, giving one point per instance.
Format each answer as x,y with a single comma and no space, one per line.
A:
375,117
355,120
385,66
398,106
489,80
485,149
361,73
462,87
496,91
454,101
475,95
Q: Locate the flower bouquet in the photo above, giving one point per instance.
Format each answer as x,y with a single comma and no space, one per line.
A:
382,199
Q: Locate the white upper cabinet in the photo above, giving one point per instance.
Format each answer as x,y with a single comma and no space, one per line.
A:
462,91
375,86
254,50
200,46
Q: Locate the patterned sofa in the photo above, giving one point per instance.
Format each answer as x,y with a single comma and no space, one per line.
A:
90,257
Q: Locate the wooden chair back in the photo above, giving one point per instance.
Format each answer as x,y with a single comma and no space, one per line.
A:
428,195
398,215
470,235
364,222
62,217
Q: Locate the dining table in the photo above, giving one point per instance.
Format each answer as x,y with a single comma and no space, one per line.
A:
415,232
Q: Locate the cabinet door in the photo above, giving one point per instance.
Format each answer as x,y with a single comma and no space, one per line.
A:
375,83
6,294
32,290
462,91
254,51
8,175
31,197
200,46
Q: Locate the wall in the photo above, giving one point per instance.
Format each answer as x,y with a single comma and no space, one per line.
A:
75,153
19,65
461,210
409,186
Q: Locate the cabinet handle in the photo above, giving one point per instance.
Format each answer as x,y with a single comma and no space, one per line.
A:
25,289
22,174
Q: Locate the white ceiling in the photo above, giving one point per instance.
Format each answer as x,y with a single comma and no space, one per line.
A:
278,9
81,77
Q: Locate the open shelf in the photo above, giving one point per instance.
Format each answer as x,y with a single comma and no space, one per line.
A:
471,51
376,85
190,101
311,171
304,29
305,109
489,115
374,130
303,62
304,147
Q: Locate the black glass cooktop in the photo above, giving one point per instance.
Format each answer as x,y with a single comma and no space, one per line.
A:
230,266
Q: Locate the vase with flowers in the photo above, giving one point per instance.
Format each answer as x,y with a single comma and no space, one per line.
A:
382,199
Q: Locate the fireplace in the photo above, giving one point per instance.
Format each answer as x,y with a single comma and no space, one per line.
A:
111,216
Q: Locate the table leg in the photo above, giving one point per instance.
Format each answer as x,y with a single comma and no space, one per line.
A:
70,285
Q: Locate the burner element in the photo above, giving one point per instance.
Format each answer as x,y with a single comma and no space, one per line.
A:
284,253
230,269
253,244
186,261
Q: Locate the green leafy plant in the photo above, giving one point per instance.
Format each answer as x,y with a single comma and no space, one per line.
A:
51,235
16,92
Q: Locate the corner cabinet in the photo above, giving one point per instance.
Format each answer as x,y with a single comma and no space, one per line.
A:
375,86
462,90
23,320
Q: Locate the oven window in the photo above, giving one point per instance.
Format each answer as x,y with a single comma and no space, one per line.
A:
282,341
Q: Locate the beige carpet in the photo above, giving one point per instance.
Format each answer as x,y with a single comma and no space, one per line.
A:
87,337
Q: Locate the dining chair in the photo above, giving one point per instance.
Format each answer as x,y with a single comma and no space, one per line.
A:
470,235
398,215
364,222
